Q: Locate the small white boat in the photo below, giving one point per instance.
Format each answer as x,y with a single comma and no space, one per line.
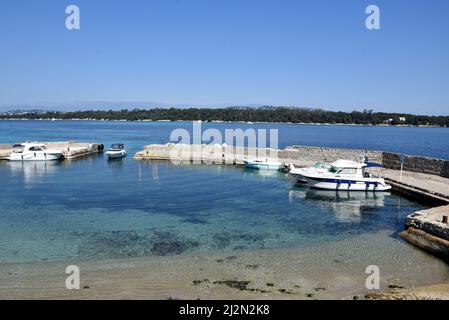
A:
341,175
33,152
263,164
117,150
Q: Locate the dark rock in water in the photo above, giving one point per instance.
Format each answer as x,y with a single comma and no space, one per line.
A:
166,243
116,244
122,244
219,260
226,239
251,237
221,240
194,221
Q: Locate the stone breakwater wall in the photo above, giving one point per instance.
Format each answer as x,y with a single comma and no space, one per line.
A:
430,221
328,155
433,166
426,230
223,154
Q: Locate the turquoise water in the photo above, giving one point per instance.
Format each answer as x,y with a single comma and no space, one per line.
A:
92,208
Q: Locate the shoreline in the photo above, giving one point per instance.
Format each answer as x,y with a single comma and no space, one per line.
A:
322,272
230,122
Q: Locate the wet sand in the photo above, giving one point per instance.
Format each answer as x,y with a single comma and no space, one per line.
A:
335,270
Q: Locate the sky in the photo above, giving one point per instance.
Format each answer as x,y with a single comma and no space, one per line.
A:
226,52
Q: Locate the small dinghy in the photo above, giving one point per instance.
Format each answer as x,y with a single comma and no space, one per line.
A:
263,164
117,150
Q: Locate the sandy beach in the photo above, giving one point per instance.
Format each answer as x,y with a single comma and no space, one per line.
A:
324,272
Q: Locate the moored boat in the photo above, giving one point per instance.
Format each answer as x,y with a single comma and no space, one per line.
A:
341,175
117,150
263,164
33,151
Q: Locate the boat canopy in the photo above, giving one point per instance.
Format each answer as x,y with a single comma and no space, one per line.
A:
119,146
348,164
373,165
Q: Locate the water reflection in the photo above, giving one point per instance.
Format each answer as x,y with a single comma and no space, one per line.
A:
347,206
116,163
30,170
261,173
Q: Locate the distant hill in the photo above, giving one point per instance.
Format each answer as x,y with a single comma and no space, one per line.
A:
23,112
242,114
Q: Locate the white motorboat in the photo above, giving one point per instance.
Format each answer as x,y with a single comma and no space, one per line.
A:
33,152
263,164
341,175
117,150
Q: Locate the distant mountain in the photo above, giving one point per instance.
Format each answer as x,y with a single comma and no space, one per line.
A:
107,105
23,112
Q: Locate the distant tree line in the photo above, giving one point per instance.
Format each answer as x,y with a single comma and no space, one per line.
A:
245,114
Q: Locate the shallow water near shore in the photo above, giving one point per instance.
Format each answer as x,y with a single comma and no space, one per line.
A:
92,210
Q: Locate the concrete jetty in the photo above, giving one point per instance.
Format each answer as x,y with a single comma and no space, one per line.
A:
418,182
69,149
230,155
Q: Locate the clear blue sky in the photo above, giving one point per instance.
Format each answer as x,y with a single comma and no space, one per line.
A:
228,52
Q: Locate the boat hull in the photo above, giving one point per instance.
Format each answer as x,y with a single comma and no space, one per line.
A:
262,165
347,185
37,156
116,154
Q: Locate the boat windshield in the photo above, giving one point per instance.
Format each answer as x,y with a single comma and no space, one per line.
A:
117,146
334,169
17,148
37,148
319,165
